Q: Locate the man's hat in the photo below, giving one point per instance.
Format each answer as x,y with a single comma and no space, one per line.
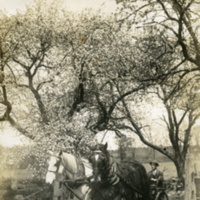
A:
154,162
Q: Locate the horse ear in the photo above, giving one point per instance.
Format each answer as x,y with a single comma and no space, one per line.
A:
106,145
60,153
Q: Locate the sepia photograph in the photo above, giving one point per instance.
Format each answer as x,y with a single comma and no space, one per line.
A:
99,99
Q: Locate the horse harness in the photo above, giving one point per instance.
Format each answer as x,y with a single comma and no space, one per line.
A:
114,177
66,182
56,164
80,180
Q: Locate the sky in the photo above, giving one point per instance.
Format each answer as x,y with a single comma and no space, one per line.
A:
74,5
9,136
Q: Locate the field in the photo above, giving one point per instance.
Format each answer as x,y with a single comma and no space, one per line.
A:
24,174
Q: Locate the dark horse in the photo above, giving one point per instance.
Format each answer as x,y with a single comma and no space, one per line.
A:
117,181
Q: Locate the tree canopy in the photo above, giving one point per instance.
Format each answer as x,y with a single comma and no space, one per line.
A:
66,76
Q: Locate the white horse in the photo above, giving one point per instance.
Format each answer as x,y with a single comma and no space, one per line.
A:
68,173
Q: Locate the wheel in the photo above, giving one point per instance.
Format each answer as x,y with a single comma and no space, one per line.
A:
161,196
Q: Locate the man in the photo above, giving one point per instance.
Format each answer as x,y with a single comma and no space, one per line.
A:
155,175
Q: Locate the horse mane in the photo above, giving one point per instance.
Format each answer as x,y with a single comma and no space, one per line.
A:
134,174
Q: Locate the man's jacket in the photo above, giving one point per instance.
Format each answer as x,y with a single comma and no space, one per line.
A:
158,175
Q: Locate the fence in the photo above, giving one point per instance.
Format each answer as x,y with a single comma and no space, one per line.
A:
143,155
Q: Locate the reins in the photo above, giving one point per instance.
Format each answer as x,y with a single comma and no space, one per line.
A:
79,163
71,190
66,181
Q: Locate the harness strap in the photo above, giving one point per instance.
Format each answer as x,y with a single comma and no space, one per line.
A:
114,179
71,190
52,171
80,164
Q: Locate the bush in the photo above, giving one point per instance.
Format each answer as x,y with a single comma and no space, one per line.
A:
34,189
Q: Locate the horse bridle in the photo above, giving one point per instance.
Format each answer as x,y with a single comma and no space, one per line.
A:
97,151
65,183
57,163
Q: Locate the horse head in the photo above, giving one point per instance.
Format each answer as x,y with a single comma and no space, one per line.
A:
55,167
99,160
67,167
63,165
113,180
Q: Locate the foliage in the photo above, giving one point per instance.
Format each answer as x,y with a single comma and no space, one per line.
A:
29,189
67,76
172,61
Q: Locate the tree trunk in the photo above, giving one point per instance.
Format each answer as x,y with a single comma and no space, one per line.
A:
180,167
19,128
78,98
40,105
7,115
